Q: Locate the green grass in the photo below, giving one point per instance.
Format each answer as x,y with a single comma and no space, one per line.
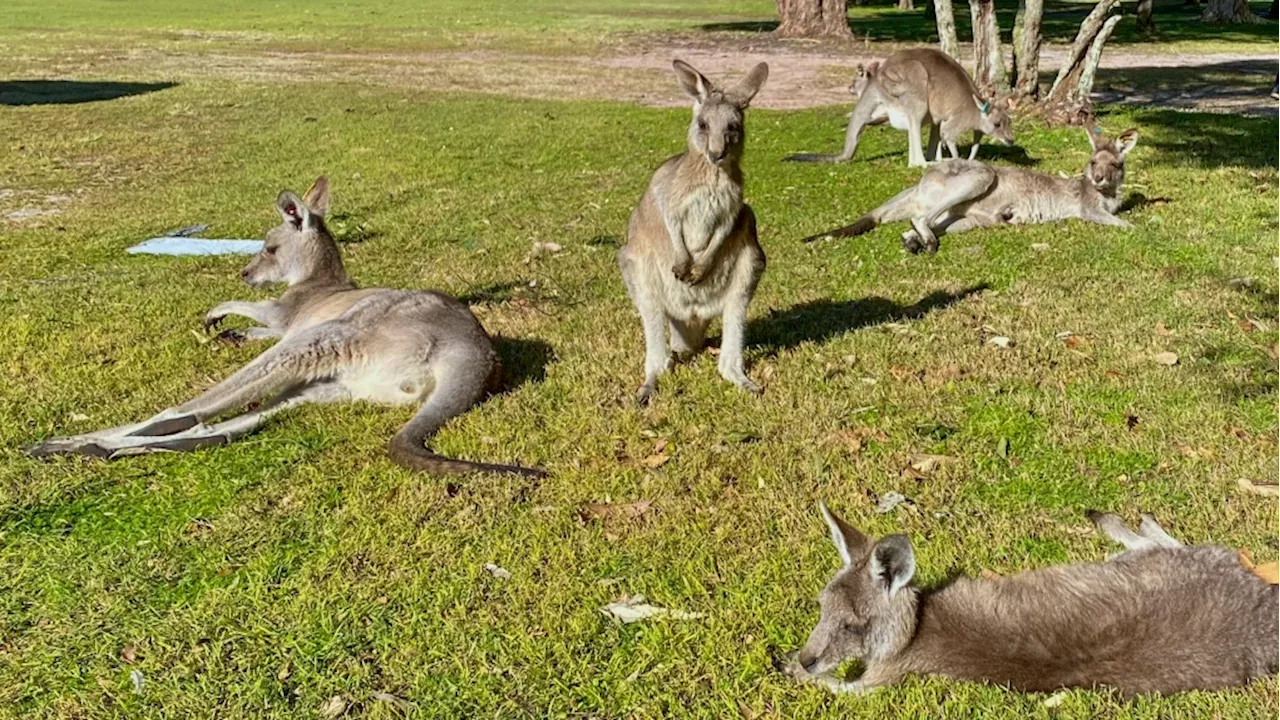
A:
261,579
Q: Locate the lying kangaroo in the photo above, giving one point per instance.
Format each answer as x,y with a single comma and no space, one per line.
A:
960,195
692,252
337,343
916,86
1158,618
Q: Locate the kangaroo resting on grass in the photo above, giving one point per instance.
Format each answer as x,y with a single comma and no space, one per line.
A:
960,195
916,86
337,343
692,252
1157,618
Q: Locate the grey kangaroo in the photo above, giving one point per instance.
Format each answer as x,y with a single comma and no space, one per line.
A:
917,86
692,254
960,195
1157,618
337,343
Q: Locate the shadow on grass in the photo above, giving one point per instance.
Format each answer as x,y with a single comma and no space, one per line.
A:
70,92
1210,140
1175,21
523,361
1242,87
498,292
820,320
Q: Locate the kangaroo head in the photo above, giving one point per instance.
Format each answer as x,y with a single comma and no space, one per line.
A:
994,118
862,78
716,132
1106,165
300,247
869,607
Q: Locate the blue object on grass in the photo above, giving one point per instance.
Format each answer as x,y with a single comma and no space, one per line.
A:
195,246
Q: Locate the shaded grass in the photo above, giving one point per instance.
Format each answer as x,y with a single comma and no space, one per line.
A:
263,578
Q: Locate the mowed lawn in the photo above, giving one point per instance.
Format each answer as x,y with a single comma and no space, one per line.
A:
265,578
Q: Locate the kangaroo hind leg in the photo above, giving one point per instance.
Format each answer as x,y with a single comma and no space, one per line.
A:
939,191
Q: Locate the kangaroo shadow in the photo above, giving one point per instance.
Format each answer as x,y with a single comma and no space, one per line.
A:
820,320
70,92
523,361
1014,154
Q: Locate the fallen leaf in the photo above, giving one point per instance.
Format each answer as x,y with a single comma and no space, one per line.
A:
1054,700
498,572
1001,341
927,464
1002,448
634,609
889,501
1112,375
660,445
78,417
1268,571
601,511
129,654
655,460
1040,247
1074,342
104,683
1166,358
335,707
387,697
1250,486
991,574
1161,330
135,676
284,672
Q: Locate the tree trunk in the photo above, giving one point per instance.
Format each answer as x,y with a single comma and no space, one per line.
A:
906,5
1068,100
988,58
1026,50
1229,11
946,19
1273,13
813,18
1145,22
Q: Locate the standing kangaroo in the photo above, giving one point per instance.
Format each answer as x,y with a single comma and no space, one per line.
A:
960,195
917,86
1158,618
337,342
692,252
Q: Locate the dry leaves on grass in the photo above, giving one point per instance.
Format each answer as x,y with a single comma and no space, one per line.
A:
1257,488
1267,571
607,511
334,707
1166,358
129,654
892,499
634,609
920,465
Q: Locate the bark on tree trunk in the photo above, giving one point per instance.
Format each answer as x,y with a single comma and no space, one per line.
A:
1026,50
946,20
813,18
1068,99
1229,11
988,57
906,5
1145,22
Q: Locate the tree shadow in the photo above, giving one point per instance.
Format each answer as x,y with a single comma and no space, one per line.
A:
821,320
1175,21
69,92
1242,87
498,292
1210,139
523,361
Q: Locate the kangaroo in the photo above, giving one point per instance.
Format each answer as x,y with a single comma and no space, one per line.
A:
960,195
1158,618
692,253
337,343
916,86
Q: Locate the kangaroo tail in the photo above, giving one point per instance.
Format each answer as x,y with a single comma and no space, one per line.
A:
899,207
460,383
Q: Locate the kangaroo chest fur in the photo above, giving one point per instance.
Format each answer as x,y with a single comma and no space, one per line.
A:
706,207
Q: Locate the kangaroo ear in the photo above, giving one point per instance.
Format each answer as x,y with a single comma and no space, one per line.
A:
293,210
1096,139
317,198
872,67
1126,141
694,83
849,543
893,563
742,93
1010,103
